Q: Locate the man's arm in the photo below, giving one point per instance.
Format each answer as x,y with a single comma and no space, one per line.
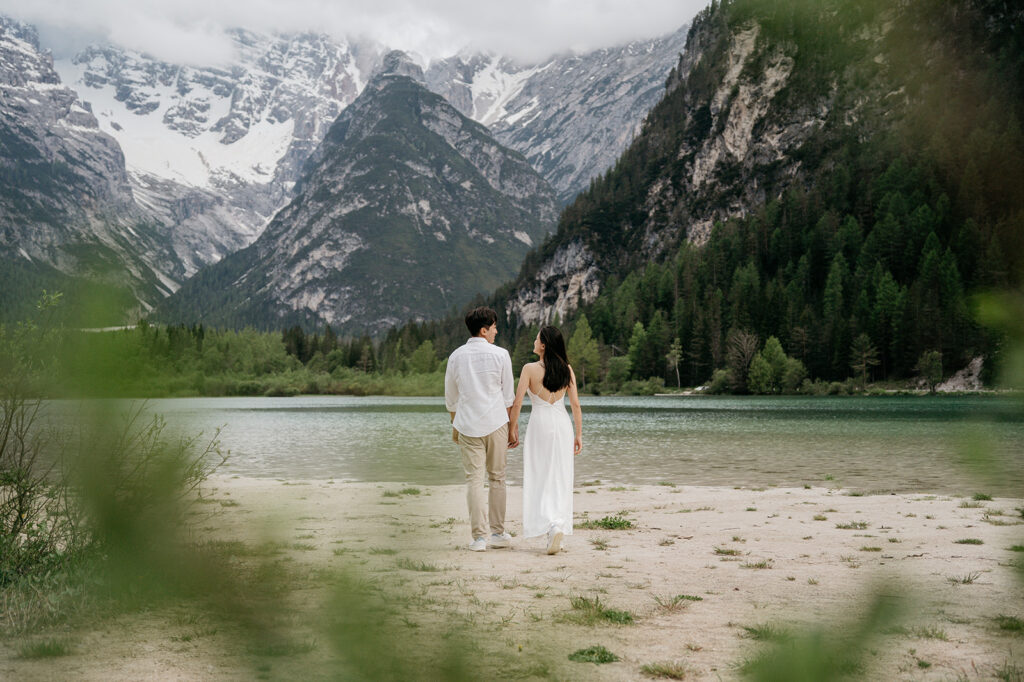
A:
451,395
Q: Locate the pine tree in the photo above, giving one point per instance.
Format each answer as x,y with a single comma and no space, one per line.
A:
583,352
863,356
674,355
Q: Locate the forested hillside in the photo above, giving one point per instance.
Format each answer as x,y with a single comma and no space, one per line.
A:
859,249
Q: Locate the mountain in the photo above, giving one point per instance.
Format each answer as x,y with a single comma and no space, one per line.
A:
571,115
66,205
213,152
406,209
843,177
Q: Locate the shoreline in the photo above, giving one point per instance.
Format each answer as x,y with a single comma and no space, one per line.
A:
745,559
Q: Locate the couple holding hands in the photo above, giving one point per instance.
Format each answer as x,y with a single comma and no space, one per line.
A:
478,389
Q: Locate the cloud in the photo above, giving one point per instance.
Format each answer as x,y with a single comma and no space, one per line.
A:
192,31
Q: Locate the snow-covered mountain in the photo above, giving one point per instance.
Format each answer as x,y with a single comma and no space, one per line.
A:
66,204
183,165
405,210
571,115
213,152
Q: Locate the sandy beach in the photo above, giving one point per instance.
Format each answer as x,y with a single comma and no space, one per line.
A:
706,575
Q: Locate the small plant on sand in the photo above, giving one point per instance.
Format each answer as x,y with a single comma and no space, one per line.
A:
421,566
606,523
871,549
967,579
820,517
409,491
930,632
49,648
1015,548
599,544
969,541
383,550
670,670
594,654
967,504
676,603
667,484
981,497
1010,624
587,611
765,633
853,525
764,563
724,551
667,542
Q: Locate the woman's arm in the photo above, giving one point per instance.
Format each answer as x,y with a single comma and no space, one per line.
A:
577,413
517,406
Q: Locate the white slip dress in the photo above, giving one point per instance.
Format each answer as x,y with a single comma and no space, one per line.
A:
547,468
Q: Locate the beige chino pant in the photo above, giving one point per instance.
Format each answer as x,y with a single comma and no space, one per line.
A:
480,454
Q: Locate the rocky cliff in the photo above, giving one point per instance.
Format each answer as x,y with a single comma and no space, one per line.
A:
729,134
571,115
66,202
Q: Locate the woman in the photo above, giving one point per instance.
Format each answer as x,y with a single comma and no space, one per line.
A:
550,442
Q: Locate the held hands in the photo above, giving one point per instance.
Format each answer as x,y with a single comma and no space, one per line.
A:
577,445
513,436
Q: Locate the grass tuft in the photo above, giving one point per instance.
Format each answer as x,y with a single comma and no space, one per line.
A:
49,648
421,566
764,563
853,525
586,611
969,541
677,602
766,633
1010,623
723,551
594,654
967,579
981,497
607,523
669,670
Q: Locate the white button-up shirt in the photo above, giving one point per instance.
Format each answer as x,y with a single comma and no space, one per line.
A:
478,387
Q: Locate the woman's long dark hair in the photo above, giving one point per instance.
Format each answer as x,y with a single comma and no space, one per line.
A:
556,363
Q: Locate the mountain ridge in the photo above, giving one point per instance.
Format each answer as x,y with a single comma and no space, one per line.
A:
406,209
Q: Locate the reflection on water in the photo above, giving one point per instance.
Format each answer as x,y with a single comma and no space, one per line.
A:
898,443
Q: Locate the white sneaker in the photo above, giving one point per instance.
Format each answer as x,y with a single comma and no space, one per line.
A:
478,545
554,541
499,541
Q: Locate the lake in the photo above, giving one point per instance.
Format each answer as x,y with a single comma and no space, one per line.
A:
897,444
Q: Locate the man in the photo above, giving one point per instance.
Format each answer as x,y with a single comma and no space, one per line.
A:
478,392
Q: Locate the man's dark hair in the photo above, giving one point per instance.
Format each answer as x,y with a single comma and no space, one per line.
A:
478,318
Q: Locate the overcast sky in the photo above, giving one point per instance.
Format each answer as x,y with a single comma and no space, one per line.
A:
191,31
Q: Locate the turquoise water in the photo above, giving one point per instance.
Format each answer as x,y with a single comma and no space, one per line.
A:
880,443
